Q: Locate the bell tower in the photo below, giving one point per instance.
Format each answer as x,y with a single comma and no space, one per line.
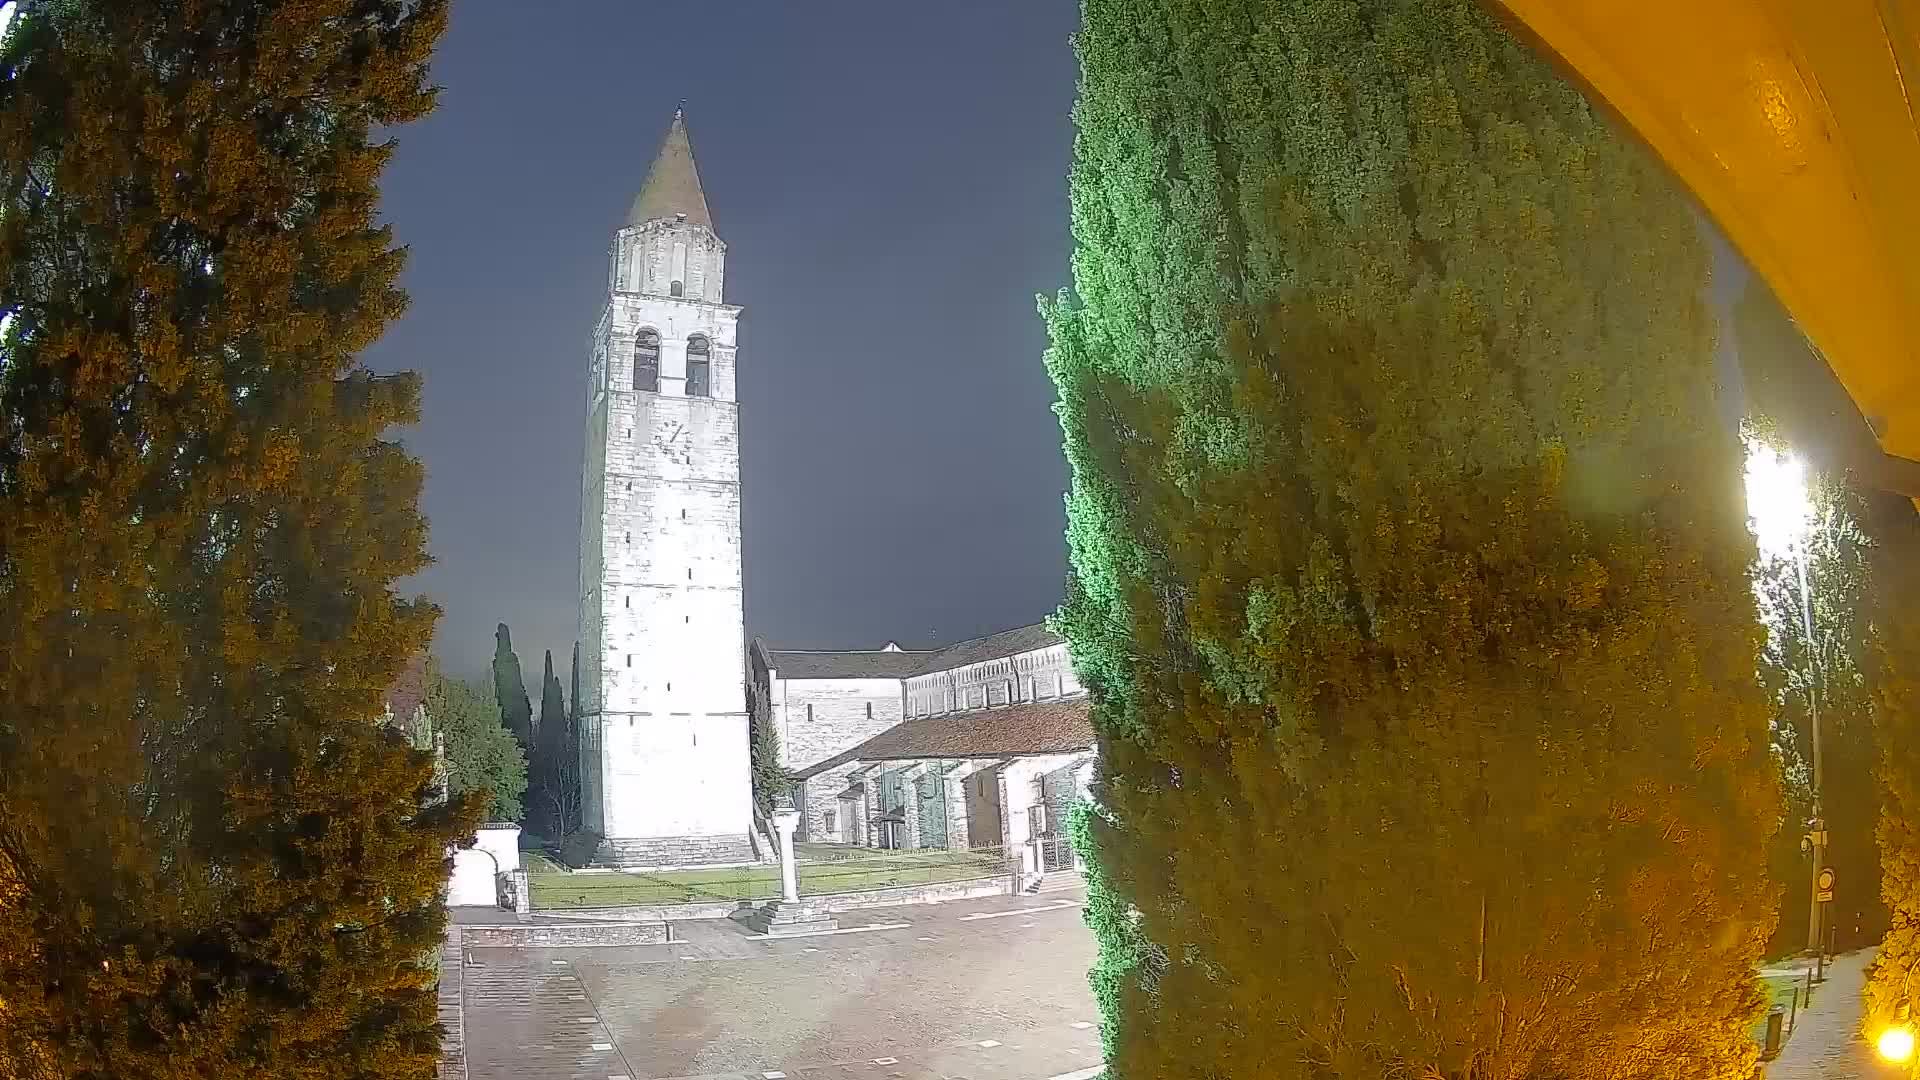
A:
663,720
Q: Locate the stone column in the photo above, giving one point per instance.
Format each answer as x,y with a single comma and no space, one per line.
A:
785,820
954,789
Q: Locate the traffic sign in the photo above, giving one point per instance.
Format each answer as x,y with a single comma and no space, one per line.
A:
1826,880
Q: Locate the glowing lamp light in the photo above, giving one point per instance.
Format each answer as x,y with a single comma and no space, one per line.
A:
1896,1043
1778,506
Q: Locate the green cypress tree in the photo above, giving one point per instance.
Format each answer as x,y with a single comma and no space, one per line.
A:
510,688
770,780
556,768
1409,561
214,861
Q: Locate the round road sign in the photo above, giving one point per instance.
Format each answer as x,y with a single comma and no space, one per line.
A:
1826,878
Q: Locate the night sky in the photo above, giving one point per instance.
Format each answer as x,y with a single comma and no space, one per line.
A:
890,179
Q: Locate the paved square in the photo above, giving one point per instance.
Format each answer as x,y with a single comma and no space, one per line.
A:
993,989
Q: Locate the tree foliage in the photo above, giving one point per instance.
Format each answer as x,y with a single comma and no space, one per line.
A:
555,796
1409,561
510,688
482,757
1794,410
1893,980
221,864
770,779
1827,671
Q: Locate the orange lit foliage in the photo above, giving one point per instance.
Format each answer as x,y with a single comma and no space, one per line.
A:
222,864
1894,586
1409,562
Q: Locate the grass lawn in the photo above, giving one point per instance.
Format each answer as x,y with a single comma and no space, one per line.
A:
1779,991
553,887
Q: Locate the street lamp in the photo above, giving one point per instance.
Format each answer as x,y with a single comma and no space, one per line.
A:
1896,1043
1781,514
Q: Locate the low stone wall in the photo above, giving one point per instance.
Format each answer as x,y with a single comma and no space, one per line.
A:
565,935
672,852
452,1008
896,896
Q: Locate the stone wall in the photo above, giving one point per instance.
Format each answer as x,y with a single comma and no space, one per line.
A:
1036,675
564,935
672,852
818,718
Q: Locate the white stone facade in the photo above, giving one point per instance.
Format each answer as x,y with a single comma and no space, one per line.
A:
1033,675
824,704
664,759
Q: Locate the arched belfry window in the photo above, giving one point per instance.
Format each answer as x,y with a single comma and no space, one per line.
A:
677,289
646,361
699,369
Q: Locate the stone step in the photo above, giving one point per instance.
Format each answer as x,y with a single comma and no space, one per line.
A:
676,852
776,919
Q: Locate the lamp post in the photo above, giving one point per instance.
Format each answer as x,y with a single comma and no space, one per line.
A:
1896,1042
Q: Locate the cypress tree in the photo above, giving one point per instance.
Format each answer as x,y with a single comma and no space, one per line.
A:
222,864
510,689
556,769
770,780
1409,561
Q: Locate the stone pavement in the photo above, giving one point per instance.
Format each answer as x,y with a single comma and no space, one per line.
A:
965,990
1827,1042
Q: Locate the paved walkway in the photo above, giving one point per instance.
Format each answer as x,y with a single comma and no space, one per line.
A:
990,989
1827,1042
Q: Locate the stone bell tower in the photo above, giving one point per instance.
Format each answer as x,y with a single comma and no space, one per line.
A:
663,719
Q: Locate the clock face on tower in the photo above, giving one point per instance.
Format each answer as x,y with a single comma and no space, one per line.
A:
673,443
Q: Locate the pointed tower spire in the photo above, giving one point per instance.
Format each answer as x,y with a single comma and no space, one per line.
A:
673,184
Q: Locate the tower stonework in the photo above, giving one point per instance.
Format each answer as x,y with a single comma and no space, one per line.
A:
663,718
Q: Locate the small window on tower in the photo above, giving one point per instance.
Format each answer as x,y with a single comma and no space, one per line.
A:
809,713
677,289
629,659
699,370
646,361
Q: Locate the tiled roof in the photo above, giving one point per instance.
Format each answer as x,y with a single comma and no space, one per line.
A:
899,664
852,664
1036,727
992,647
673,184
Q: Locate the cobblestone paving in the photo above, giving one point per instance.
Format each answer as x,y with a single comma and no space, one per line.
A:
1827,1042
971,990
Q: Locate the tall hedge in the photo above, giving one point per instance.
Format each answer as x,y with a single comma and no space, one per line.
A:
214,861
1409,561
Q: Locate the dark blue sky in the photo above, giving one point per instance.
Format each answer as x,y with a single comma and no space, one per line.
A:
891,181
